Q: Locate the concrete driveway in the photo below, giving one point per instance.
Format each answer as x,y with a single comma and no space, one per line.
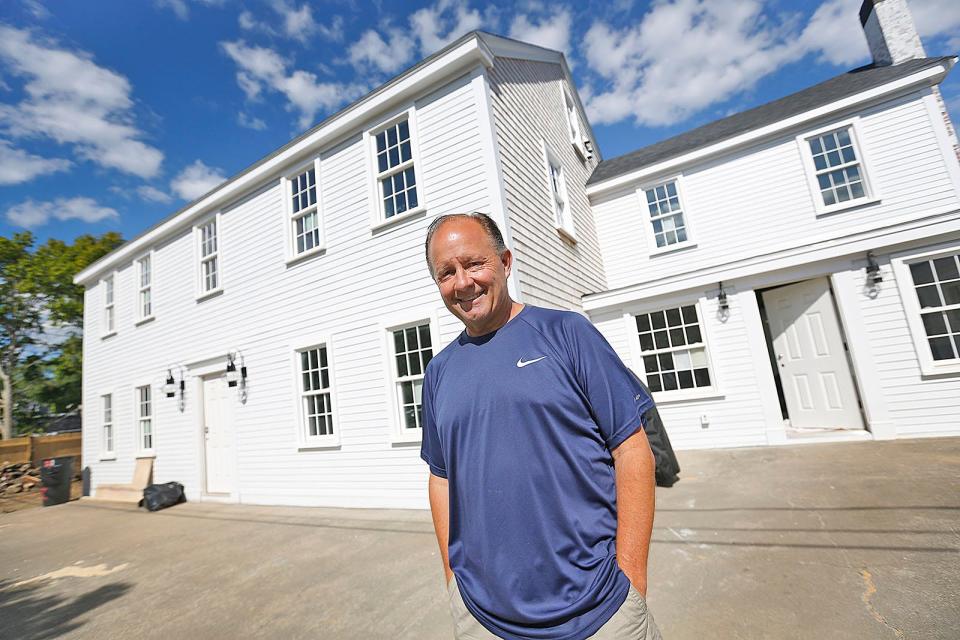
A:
858,540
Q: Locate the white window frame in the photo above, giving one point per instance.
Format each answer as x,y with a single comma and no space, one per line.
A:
143,451
200,259
108,313
562,218
871,193
141,288
108,446
400,434
572,119
291,217
900,262
303,439
649,234
378,219
636,353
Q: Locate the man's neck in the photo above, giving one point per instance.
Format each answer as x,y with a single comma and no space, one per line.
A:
515,309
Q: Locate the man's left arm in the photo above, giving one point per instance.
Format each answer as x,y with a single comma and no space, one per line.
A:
634,470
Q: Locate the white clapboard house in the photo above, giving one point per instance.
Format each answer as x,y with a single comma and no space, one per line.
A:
785,274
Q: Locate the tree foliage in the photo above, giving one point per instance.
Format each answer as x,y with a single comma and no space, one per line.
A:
41,324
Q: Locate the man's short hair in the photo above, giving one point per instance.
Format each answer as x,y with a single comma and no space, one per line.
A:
485,221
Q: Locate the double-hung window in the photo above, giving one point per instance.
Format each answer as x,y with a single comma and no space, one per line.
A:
304,211
836,167
316,398
396,176
109,308
673,349
559,200
144,419
144,291
209,254
412,350
573,124
107,442
666,215
937,285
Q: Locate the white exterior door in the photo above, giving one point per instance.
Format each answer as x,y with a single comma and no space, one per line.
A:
218,434
809,353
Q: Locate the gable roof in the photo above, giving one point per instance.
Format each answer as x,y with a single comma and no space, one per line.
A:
836,88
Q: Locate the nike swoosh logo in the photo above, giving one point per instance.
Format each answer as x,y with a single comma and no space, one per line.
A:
521,363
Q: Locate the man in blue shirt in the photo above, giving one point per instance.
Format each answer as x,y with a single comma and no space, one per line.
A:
541,477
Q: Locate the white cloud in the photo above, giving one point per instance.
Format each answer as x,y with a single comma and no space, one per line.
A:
30,213
552,32
72,100
442,23
196,180
260,68
681,58
36,9
386,56
250,122
152,194
181,8
17,165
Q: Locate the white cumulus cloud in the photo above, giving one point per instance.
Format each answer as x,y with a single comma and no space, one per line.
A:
196,180
387,56
181,8
17,165
443,22
30,213
250,122
552,32
72,100
260,68
152,194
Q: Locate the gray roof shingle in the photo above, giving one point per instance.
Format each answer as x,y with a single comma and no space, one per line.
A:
836,88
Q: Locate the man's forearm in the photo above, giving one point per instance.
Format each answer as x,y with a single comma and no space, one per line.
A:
439,493
634,468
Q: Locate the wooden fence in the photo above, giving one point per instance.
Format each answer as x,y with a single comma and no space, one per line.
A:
36,448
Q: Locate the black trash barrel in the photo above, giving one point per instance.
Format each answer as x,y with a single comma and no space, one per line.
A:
56,474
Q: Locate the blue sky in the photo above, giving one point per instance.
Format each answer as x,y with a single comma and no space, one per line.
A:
115,113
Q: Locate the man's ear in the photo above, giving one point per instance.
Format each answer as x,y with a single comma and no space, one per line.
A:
507,259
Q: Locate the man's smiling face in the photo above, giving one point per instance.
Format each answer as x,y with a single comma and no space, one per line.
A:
471,276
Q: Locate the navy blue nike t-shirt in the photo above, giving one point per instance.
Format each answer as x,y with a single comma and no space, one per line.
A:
521,422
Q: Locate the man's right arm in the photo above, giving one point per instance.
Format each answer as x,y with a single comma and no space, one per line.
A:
439,492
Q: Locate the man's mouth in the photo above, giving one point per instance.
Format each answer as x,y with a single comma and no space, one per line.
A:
467,304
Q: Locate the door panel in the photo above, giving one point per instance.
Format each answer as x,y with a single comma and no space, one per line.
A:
808,348
218,435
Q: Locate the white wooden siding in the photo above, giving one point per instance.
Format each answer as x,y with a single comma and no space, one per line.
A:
736,418
528,107
918,406
267,306
757,202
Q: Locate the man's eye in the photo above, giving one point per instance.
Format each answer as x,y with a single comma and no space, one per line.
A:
476,265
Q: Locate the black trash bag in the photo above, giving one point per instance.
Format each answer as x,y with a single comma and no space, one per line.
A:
667,465
161,496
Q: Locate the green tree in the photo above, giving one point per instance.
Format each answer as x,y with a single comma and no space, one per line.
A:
19,318
45,310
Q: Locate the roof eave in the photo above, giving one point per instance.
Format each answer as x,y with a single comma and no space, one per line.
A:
930,76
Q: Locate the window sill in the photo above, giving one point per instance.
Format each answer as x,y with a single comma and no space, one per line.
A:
672,397
318,444
846,206
104,336
147,453
670,248
408,438
210,294
108,457
398,219
581,149
300,257
567,235
143,321
931,371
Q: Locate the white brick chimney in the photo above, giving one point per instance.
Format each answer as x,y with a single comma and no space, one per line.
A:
890,31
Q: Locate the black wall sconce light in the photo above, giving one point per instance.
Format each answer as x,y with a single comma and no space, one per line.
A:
874,276
171,386
235,377
724,304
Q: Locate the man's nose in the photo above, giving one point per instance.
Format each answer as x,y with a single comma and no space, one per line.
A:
461,279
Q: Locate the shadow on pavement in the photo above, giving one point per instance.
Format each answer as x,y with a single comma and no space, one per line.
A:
29,614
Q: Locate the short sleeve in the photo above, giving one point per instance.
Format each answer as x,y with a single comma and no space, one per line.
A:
430,448
617,399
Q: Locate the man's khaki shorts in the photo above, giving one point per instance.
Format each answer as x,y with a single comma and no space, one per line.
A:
632,621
